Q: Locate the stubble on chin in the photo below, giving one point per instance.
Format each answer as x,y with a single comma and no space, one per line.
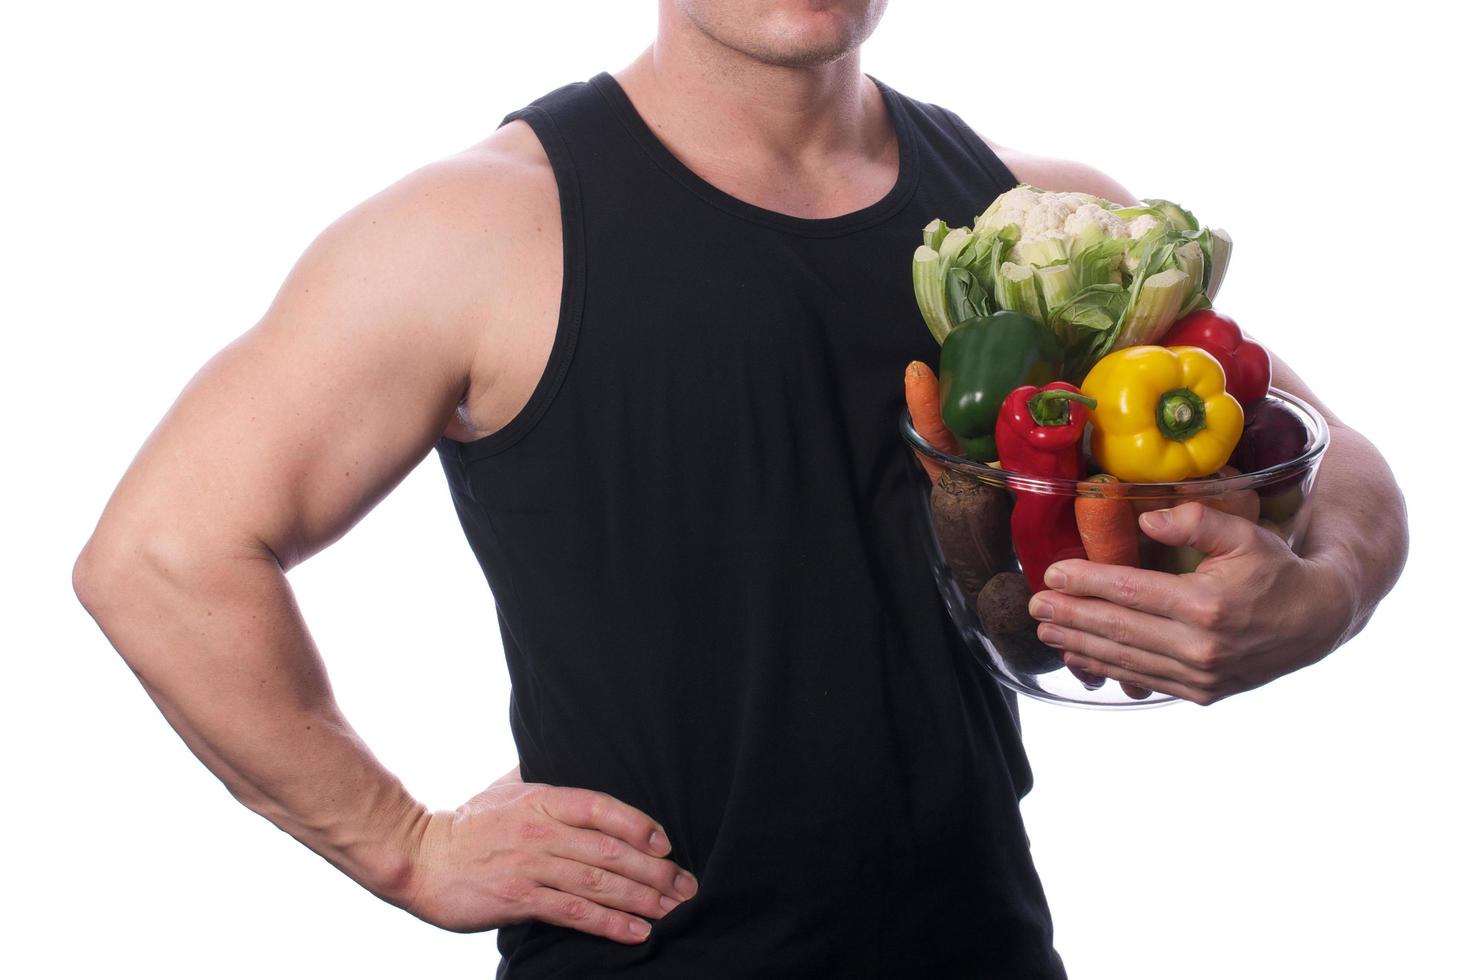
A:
777,47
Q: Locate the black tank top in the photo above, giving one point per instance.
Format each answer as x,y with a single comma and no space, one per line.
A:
707,564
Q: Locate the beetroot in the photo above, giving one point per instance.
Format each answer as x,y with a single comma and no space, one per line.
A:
1273,434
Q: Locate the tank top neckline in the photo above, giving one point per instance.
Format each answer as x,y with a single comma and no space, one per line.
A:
885,207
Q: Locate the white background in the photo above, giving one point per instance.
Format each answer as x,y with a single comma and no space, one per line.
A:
167,162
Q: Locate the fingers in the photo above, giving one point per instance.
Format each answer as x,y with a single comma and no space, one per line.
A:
574,857
1090,681
606,868
598,811
1149,591
1153,631
1096,615
605,888
1159,597
596,849
1103,619
1178,690
1204,528
575,912
1142,668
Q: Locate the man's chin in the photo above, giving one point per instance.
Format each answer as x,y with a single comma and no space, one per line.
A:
801,56
799,37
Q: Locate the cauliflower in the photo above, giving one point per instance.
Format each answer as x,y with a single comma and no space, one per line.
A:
1091,214
1011,208
1091,270
1043,216
1140,225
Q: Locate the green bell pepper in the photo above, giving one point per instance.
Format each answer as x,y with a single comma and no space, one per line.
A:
984,359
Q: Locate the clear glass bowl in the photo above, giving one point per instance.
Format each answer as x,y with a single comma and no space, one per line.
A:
967,512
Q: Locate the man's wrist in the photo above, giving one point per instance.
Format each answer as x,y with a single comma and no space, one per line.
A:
381,852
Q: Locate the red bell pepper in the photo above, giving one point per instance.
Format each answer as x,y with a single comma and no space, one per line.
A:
1246,363
1039,433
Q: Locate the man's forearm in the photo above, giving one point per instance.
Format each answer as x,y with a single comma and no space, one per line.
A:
220,646
1358,526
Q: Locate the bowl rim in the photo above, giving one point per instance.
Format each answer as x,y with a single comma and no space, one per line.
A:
996,476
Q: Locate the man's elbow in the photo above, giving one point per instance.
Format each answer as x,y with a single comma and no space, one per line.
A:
96,574
123,578
115,580
136,595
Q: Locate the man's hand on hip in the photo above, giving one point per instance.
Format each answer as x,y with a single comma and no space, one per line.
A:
571,857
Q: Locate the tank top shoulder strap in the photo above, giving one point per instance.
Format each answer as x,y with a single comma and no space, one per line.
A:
555,119
568,102
948,132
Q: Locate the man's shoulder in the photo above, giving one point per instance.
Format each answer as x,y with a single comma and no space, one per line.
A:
510,159
1047,173
1058,174
488,220
1051,173
445,239
488,186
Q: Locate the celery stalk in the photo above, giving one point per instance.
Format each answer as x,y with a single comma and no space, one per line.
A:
1057,284
1005,238
1189,257
929,292
931,280
1155,307
1219,261
1016,290
934,233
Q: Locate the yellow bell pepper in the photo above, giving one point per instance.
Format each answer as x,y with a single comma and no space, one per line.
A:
1162,414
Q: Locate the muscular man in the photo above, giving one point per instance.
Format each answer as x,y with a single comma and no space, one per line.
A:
654,327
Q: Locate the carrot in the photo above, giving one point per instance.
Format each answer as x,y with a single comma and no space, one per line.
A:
1107,525
921,390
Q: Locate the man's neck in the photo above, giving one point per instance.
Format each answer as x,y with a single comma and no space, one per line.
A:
743,124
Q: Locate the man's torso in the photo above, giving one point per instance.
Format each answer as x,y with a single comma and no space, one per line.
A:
703,537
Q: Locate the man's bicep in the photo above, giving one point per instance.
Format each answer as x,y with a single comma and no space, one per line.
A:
290,434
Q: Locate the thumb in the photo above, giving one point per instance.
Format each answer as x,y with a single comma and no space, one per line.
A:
1194,525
